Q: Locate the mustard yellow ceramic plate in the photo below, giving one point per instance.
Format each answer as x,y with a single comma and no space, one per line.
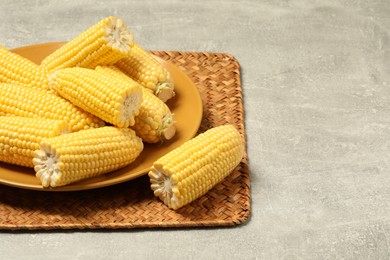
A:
187,109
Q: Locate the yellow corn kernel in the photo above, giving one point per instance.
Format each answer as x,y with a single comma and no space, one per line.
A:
72,157
109,98
146,70
20,137
154,122
15,69
114,71
102,44
28,102
192,169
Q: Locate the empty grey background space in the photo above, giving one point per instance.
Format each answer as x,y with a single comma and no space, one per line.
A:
316,79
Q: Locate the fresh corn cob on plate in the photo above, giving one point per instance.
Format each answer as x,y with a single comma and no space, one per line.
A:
186,106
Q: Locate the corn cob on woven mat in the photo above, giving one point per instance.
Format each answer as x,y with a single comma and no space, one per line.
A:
132,204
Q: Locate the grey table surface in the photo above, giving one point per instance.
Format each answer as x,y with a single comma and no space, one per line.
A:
316,78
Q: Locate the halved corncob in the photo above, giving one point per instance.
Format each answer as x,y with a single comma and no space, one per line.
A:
109,98
146,70
20,137
28,102
72,157
15,69
102,44
192,169
155,122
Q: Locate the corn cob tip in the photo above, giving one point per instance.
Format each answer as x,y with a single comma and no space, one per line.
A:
117,35
165,91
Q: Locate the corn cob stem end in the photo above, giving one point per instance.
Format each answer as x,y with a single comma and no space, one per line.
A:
117,35
46,166
165,91
130,108
168,129
163,187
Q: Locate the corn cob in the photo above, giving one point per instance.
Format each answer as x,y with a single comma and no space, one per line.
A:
27,102
189,171
84,154
15,69
109,98
102,44
154,122
146,70
20,137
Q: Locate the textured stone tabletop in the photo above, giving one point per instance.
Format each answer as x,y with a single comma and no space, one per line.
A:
316,80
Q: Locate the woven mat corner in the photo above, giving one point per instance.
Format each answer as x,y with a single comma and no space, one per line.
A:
132,204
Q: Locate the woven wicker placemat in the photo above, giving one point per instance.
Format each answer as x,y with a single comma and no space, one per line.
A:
132,204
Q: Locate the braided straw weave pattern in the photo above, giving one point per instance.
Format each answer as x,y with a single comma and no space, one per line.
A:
132,204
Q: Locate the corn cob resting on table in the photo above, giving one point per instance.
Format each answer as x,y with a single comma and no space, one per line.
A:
192,169
72,157
147,71
101,44
15,69
155,122
21,136
29,102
